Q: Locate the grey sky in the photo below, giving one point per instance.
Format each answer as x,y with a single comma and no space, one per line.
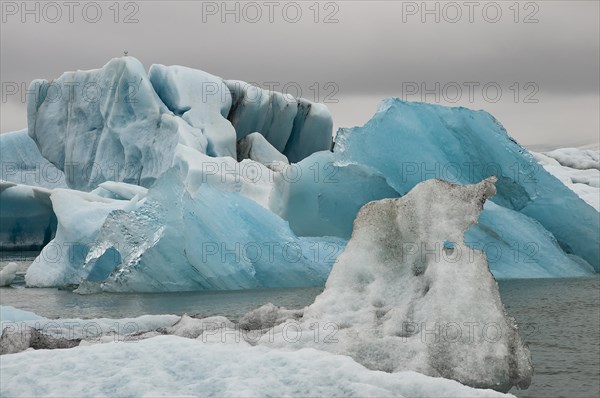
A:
375,49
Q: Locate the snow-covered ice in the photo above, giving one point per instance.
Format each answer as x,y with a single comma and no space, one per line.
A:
171,365
576,158
408,293
584,180
8,274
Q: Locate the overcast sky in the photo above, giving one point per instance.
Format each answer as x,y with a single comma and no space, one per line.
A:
543,56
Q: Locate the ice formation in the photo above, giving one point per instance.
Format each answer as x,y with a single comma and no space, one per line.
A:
167,365
8,274
203,101
323,195
119,123
169,240
27,220
22,162
244,151
255,146
583,180
401,296
526,251
213,240
80,215
104,124
411,142
575,158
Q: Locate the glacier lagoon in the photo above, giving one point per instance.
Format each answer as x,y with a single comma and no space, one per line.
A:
201,184
557,334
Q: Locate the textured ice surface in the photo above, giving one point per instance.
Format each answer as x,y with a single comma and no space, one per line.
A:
268,112
22,162
407,293
585,182
170,365
311,131
411,142
16,326
575,158
103,124
213,240
80,215
323,196
294,126
27,221
202,100
255,146
8,274
518,246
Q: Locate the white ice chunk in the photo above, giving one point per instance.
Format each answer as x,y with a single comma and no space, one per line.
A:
171,365
8,274
407,293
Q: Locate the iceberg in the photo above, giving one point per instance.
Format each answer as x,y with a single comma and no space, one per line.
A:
214,240
167,239
576,158
412,142
8,274
584,180
324,196
168,365
103,124
27,220
518,246
23,164
80,217
400,297
230,141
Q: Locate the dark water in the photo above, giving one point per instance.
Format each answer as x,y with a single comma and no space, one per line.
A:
559,319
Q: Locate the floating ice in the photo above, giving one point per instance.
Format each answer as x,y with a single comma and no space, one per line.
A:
411,142
324,196
407,293
518,246
171,365
210,241
8,274
584,182
22,162
27,220
80,215
103,124
575,158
